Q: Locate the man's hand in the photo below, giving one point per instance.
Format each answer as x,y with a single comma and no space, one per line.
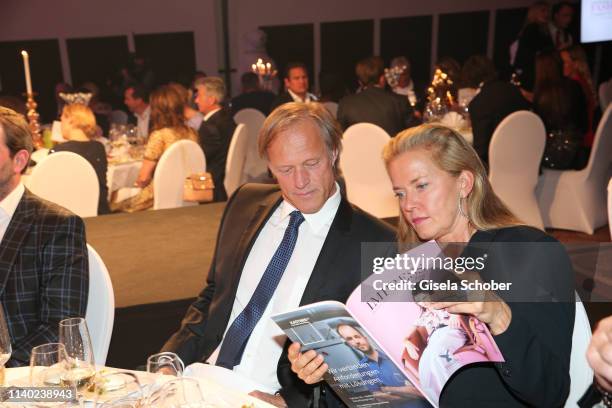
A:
308,366
599,353
275,400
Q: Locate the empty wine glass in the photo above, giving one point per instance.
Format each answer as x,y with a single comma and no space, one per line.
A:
180,393
47,364
165,363
74,335
5,345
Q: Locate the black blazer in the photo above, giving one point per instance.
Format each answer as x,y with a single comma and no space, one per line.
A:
282,98
336,273
44,273
260,100
496,100
537,344
215,135
378,106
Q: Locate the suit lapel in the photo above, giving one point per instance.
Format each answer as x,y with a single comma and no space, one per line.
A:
330,251
15,234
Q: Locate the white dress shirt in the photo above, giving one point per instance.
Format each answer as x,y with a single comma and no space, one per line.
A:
264,347
142,126
8,207
296,98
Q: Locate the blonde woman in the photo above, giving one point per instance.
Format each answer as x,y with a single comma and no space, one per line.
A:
79,129
167,106
444,195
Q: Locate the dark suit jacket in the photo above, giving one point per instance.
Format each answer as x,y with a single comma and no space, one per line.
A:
215,135
282,98
336,273
378,106
44,274
537,344
496,100
260,100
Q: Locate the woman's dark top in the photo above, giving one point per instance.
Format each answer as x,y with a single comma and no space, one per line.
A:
534,39
95,154
537,344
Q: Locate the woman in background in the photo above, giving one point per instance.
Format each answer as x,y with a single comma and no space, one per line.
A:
79,128
576,67
168,124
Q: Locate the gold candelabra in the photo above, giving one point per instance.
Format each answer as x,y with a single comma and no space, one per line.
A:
33,116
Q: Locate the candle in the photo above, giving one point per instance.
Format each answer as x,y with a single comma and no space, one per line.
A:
26,67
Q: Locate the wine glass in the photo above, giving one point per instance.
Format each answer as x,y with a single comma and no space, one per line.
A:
80,371
47,363
5,345
183,392
166,363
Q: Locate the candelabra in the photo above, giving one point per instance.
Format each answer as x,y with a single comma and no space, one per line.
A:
265,72
33,116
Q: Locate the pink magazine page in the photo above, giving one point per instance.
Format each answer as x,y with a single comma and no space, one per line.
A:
428,345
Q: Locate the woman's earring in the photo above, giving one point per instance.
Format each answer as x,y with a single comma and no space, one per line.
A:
461,207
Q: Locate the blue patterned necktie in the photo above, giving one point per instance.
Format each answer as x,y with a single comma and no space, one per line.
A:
239,332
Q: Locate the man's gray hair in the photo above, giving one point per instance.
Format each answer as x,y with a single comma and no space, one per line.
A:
214,87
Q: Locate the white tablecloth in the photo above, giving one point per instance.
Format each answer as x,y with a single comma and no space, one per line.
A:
219,394
122,175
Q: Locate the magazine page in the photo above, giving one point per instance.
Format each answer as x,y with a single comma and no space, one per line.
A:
359,371
429,345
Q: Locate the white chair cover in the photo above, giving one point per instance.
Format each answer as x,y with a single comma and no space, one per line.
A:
332,107
67,179
581,374
119,117
236,158
605,94
180,160
576,200
255,167
39,155
100,315
515,153
367,183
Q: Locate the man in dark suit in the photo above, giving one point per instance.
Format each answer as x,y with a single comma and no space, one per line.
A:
373,104
216,130
252,96
495,100
136,98
301,143
43,254
296,86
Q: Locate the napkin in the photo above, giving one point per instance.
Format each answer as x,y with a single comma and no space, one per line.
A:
223,376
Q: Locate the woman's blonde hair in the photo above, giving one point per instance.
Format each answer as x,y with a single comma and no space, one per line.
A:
451,153
82,118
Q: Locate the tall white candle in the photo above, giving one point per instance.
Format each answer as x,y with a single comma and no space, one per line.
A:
26,67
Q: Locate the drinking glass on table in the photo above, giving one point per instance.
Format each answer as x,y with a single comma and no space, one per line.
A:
180,393
5,345
47,364
81,369
165,363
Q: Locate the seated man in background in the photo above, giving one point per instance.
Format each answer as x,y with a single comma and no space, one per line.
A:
252,95
216,131
278,247
374,104
136,98
296,86
44,275
494,101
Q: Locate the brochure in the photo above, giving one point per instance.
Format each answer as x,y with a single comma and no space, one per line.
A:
389,353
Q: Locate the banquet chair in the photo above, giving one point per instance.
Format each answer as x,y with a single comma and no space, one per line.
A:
605,93
332,107
576,199
581,374
254,166
39,155
119,117
236,158
67,179
515,154
100,313
180,160
367,183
